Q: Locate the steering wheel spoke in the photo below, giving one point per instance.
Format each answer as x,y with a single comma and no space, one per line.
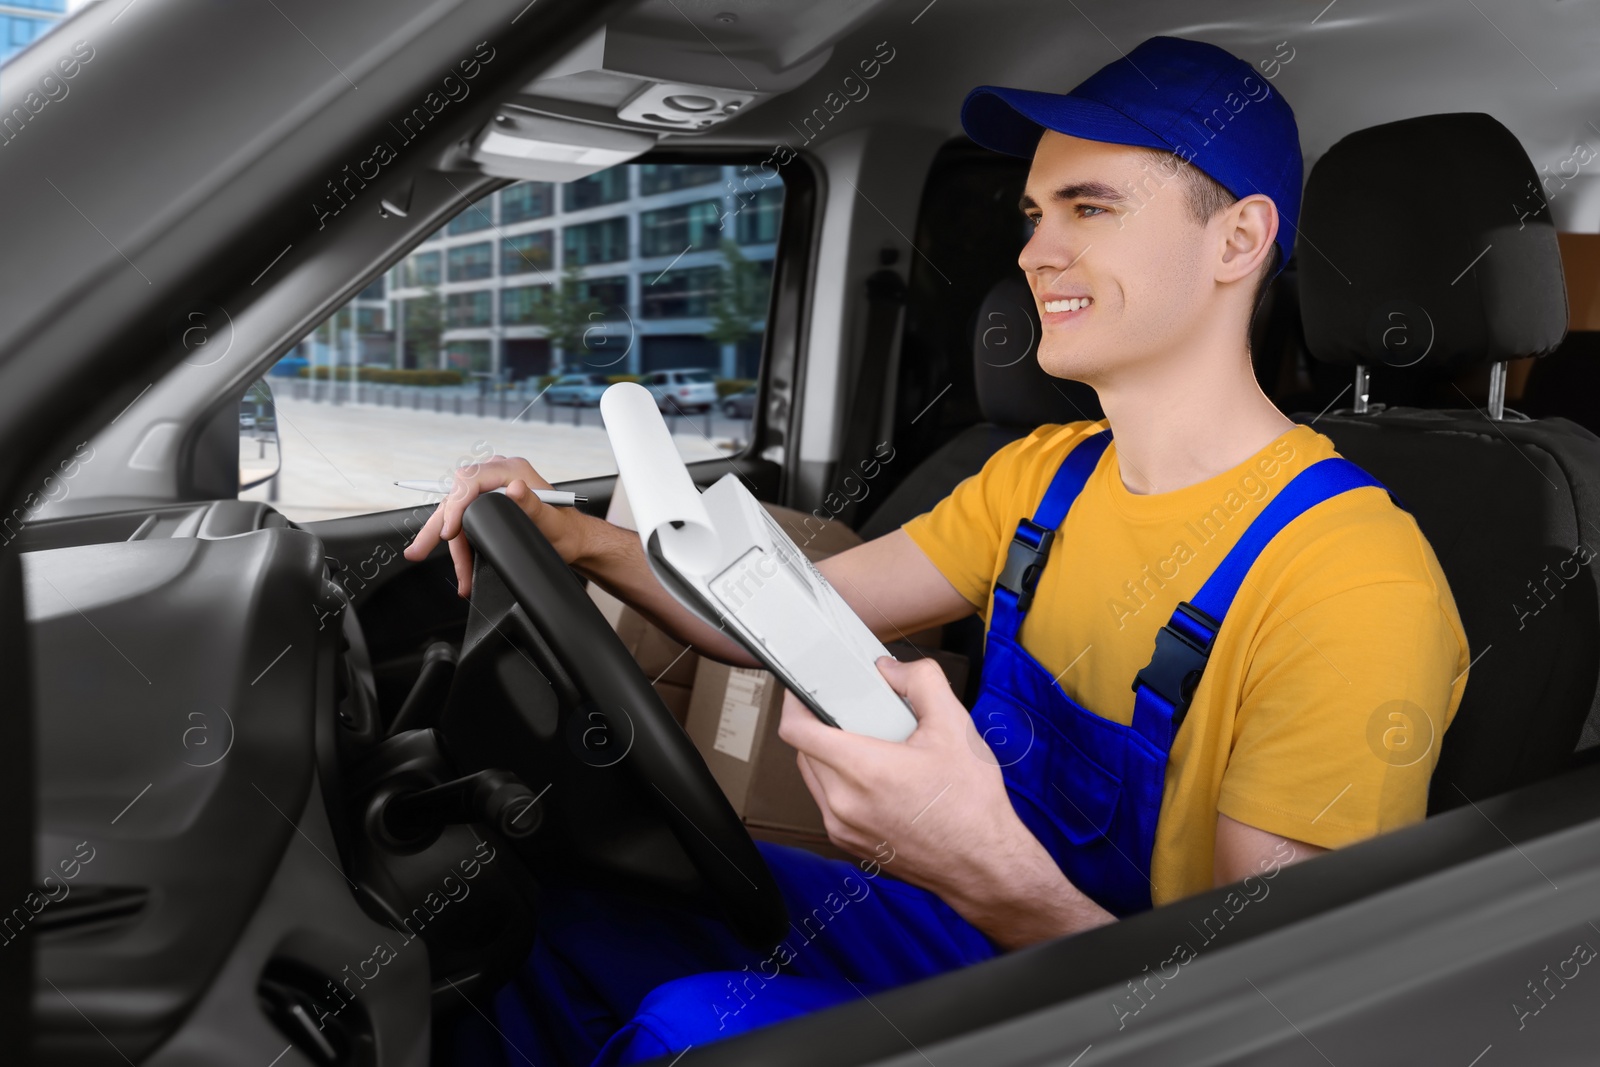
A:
617,738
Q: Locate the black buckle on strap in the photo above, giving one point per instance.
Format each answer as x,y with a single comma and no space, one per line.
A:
1024,562
1175,668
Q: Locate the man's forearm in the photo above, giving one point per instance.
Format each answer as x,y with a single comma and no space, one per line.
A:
614,559
1022,898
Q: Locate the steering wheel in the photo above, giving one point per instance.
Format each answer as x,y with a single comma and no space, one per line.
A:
659,755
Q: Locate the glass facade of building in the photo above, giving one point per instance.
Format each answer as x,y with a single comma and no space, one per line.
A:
647,243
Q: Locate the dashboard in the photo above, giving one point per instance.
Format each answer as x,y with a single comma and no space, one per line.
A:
190,663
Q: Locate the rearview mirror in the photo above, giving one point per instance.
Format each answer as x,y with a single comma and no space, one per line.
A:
259,458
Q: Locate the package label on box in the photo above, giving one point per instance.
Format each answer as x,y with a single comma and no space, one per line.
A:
741,707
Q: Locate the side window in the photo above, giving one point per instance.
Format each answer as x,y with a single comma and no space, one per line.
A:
632,272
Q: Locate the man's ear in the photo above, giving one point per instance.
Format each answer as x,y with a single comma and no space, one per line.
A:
1249,233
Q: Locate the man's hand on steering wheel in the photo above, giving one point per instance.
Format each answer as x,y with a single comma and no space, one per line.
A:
564,528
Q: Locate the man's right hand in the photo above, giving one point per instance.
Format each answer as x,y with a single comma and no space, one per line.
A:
565,528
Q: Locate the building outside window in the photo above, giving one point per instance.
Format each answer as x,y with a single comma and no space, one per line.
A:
664,177
683,210
468,262
421,269
369,320
757,221
606,187
605,241
527,252
467,356
610,293
463,310
517,303
527,200
473,218
669,231
681,293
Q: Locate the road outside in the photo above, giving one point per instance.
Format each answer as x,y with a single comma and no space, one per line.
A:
342,459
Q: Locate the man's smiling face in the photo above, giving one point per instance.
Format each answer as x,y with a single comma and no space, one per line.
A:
1122,274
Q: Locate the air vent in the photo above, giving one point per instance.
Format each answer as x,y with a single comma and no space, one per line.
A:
90,906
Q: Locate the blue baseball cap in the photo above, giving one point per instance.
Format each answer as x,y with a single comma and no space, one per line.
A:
1198,101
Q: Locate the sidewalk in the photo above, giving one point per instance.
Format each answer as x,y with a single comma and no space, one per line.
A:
342,460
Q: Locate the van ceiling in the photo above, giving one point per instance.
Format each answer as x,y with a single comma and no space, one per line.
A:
1351,64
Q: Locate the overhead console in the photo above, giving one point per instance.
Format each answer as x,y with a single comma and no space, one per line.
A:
661,70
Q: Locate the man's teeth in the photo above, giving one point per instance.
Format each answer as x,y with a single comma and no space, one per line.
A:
1068,305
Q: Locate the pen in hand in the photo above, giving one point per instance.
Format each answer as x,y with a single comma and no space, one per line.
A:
556,497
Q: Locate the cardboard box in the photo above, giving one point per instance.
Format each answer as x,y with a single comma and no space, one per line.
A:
732,713
669,665
733,721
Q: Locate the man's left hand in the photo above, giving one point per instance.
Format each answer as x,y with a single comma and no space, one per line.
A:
937,798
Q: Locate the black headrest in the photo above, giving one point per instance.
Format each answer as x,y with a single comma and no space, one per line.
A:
1013,390
1427,242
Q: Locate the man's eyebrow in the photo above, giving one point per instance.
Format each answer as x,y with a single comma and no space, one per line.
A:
1076,191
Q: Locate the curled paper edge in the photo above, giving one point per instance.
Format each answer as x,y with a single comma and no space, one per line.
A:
662,496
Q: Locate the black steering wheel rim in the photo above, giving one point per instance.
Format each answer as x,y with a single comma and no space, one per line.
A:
661,754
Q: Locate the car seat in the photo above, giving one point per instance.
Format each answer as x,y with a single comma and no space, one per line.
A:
1413,258
1015,396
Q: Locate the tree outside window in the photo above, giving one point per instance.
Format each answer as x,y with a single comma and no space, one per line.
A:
568,314
423,325
741,296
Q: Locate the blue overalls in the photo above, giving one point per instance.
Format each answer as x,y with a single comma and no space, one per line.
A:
613,980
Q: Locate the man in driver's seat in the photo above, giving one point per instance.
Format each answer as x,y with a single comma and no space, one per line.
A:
1092,779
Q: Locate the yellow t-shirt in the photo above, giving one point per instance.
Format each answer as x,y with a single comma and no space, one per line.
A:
1330,683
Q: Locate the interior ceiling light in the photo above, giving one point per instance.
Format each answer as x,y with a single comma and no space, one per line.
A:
544,148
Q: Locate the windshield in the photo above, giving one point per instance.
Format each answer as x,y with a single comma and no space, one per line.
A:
494,332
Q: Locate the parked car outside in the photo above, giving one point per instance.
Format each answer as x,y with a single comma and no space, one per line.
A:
682,390
740,405
579,390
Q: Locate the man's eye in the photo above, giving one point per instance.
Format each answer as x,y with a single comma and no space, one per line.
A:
1091,207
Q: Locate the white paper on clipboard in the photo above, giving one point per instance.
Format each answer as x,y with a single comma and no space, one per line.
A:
723,557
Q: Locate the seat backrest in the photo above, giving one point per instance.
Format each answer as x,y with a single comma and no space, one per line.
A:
1406,269
1015,396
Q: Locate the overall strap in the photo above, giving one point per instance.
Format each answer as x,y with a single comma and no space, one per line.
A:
1166,685
1030,546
